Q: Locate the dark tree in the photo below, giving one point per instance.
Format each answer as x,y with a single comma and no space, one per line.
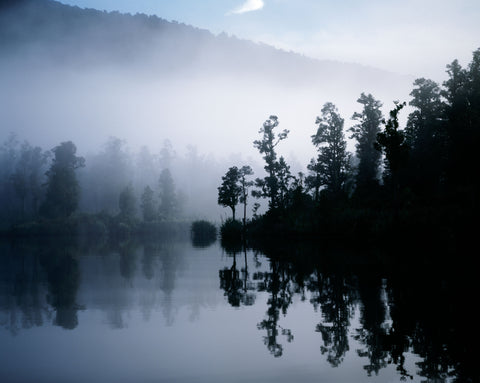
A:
8,159
63,191
284,180
462,92
269,186
148,205
365,132
332,164
229,192
126,203
392,141
426,136
169,207
244,186
314,180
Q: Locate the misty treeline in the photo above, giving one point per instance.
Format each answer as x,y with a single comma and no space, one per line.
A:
422,174
147,186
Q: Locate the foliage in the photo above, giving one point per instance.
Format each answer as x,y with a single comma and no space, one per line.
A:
331,167
63,192
392,141
229,192
426,129
170,203
429,177
365,133
203,233
27,177
268,187
462,94
231,230
126,203
244,186
148,205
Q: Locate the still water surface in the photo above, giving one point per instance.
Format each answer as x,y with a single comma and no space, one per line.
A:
172,312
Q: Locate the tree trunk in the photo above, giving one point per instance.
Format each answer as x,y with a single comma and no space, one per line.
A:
245,213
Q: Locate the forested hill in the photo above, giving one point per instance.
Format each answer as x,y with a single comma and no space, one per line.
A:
53,32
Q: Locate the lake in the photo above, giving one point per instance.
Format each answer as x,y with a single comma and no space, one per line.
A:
169,311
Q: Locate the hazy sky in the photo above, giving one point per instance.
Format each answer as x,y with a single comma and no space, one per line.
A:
417,37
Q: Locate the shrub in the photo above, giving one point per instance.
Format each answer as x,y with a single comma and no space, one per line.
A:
231,230
203,233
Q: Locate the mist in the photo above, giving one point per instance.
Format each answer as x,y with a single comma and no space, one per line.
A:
144,80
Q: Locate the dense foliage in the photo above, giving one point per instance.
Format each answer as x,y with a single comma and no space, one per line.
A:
426,187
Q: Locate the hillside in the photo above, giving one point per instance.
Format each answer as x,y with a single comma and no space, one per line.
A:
53,32
84,75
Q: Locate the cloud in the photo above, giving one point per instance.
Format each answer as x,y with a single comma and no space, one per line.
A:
248,6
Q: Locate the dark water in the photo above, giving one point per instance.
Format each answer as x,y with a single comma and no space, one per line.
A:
172,312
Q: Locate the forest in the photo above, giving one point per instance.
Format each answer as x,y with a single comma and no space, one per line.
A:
115,190
415,181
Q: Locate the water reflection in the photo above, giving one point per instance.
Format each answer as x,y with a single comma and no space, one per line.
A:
380,313
39,286
335,296
402,309
239,290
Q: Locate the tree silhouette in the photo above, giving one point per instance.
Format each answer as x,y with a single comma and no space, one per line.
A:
148,205
63,191
333,160
229,192
244,186
169,206
126,203
268,187
284,180
392,141
365,132
426,129
462,93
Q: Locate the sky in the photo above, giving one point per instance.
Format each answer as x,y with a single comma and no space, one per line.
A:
414,37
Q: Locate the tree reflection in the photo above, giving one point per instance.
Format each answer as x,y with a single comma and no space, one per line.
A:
372,333
148,260
278,285
63,278
402,309
231,283
400,312
128,264
238,290
335,296
21,296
